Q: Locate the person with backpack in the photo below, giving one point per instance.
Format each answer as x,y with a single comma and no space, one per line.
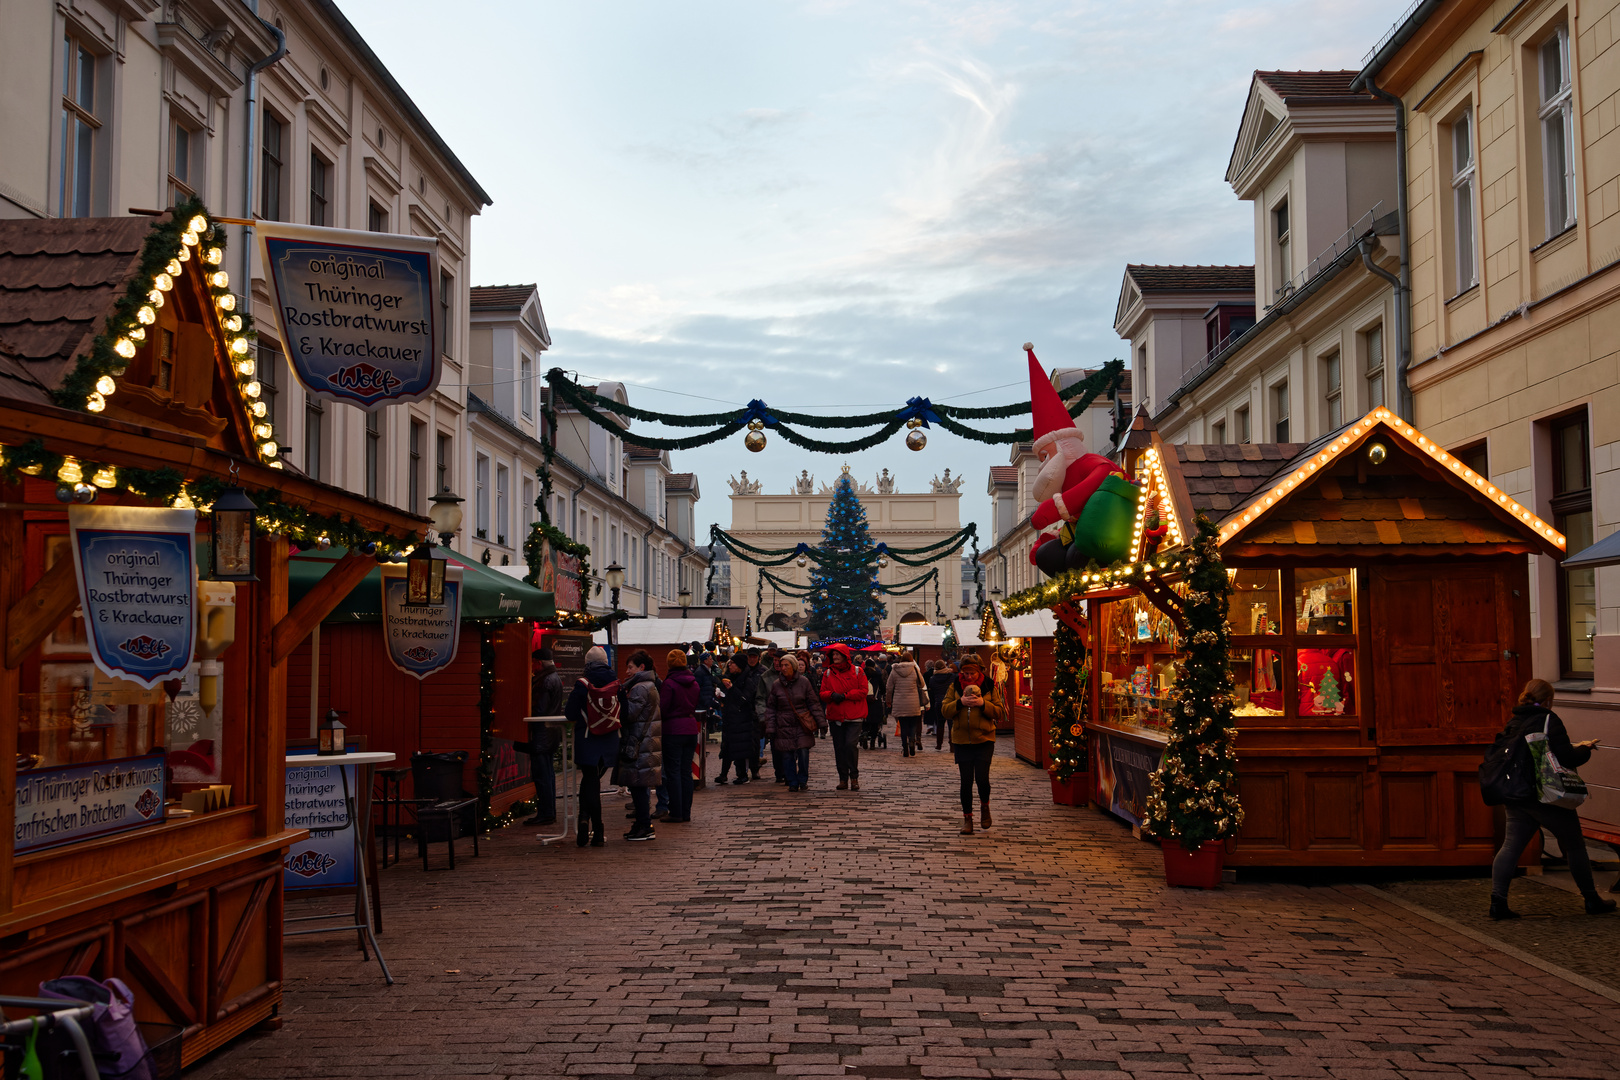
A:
593,706
678,700
908,695
1516,789
640,742
843,697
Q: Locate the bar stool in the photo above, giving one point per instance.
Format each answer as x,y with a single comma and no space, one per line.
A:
391,807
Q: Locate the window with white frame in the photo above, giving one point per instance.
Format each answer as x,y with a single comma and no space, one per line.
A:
184,145
1280,239
1279,398
1462,202
1332,390
530,514
272,153
503,519
1217,432
1372,347
373,455
481,496
320,189
526,386
314,437
1240,424
413,483
1556,113
81,121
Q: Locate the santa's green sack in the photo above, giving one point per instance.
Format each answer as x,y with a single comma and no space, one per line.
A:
1102,532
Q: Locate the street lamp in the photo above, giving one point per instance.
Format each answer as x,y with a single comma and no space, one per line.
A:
446,514
615,582
685,598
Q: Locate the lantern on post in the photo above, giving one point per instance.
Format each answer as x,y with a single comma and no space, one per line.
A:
235,525
446,515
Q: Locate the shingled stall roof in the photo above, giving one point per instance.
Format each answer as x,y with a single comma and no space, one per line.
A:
59,278
1332,494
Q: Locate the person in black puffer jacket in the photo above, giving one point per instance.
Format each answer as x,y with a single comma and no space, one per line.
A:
1528,816
738,743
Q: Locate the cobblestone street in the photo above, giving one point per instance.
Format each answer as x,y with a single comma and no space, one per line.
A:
856,934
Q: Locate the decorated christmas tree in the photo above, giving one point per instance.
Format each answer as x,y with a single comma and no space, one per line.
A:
1329,698
1068,710
1194,797
843,601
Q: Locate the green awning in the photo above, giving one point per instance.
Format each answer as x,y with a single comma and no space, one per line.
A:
486,593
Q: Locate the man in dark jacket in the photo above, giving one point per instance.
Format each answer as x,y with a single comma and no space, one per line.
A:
939,681
545,699
595,754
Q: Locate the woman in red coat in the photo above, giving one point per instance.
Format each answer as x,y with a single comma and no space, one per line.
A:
843,698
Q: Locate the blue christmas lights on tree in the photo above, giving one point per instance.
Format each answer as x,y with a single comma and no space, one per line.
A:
843,600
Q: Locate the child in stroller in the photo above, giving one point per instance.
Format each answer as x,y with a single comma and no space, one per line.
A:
872,733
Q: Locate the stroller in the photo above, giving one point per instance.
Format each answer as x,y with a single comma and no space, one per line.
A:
873,737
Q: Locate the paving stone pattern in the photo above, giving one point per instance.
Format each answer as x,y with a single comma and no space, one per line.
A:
856,934
1554,926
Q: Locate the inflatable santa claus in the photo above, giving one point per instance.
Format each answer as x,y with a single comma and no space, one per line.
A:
1088,506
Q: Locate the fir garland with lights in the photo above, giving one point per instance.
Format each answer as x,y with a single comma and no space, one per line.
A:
1194,797
1068,710
542,531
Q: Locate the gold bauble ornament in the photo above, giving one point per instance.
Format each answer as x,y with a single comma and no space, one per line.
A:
916,440
756,425
755,441
914,423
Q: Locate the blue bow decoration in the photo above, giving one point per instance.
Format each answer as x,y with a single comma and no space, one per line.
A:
757,410
918,408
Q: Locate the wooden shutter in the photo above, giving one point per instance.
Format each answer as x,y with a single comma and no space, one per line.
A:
1445,667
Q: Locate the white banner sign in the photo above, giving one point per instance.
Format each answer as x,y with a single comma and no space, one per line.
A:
421,638
359,312
137,569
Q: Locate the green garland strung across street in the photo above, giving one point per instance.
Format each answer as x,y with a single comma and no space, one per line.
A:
918,412
794,590
842,560
1194,796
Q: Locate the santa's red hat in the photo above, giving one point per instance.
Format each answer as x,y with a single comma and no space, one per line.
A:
1052,419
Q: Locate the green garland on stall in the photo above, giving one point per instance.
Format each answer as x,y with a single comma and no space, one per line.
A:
165,486
594,406
539,533
1068,704
1194,798
1076,583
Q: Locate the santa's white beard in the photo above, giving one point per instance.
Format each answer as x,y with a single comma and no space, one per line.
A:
1049,481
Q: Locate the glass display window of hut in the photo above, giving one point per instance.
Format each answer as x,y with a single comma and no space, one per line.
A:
1138,649
1020,660
80,726
1293,641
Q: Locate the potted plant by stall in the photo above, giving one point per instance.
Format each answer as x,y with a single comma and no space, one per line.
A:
1069,762
1193,807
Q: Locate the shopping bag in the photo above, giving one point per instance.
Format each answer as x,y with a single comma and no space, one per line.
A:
1555,785
111,1027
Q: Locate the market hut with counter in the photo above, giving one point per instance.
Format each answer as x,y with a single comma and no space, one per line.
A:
147,811
1379,634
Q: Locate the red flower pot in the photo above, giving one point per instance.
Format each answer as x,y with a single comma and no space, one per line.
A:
1199,869
1071,792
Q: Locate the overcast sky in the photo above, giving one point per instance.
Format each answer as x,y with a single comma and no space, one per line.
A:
840,204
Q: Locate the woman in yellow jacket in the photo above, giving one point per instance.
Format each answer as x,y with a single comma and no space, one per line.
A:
972,706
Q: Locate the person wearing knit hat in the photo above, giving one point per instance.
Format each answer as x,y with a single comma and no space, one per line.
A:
1087,503
596,752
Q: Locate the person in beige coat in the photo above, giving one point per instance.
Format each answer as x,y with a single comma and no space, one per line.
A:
908,697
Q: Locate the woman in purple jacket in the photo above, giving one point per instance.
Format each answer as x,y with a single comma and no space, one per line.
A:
678,701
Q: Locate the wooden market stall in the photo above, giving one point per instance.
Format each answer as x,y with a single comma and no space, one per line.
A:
446,711
127,382
926,640
1026,646
658,637
1379,628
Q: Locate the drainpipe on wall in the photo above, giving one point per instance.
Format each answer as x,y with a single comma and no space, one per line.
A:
1403,400
249,175
646,567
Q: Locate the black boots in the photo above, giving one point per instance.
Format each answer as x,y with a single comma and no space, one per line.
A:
1596,905
1500,910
